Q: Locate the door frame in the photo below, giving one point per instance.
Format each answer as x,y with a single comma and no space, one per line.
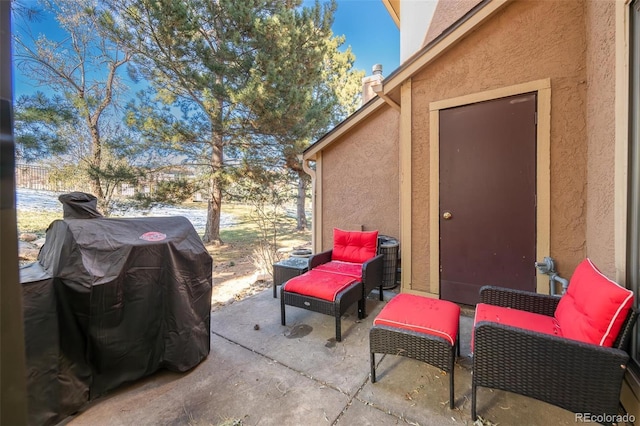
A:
543,171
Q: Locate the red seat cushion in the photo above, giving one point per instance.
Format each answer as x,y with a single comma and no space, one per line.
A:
343,268
594,307
320,284
354,246
421,314
515,318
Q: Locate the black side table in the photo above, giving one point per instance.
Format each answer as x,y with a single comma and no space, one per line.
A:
287,269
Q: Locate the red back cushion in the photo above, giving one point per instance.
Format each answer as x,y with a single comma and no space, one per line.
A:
354,246
594,307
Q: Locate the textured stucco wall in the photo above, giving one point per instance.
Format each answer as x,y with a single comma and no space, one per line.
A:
360,179
600,121
526,41
415,17
446,13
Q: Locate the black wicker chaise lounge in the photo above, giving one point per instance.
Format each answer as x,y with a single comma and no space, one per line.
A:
337,278
569,351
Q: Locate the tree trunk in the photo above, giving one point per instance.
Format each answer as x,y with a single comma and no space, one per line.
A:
214,204
96,164
300,201
212,228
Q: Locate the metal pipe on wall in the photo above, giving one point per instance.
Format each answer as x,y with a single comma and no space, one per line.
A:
548,267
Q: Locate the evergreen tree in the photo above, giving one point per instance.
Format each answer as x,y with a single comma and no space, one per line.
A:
228,77
300,95
40,124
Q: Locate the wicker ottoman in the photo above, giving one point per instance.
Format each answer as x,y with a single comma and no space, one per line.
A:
323,292
418,327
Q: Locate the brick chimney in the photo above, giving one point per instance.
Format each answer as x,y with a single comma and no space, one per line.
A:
369,82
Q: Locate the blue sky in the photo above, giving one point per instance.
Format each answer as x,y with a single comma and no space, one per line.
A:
366,24
371,33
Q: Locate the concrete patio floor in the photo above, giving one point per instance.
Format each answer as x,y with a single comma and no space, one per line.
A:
262,373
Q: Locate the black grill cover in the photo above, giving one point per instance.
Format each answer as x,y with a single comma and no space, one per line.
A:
79,205
110,301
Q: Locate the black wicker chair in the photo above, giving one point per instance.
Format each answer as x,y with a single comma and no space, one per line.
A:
337,278
367,276
577,376
371,276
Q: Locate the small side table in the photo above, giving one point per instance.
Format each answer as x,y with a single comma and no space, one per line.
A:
287,269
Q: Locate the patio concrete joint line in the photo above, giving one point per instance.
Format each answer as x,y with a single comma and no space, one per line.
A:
302,373
351,398
356,397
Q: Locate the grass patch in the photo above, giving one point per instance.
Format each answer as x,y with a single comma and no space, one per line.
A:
241,239
35,222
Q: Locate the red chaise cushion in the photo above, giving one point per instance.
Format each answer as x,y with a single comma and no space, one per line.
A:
515,318
421,314
594,307
320,284
354,246
343,268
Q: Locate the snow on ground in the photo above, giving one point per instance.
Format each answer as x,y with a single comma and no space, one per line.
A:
36,200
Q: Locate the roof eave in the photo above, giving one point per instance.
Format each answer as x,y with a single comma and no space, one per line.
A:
450,37
390,92
393,7
345,126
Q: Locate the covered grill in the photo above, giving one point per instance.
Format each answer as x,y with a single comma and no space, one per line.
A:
110,301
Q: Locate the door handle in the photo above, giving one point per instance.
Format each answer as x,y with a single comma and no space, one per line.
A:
447,215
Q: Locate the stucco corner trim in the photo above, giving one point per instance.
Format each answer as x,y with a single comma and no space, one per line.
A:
622,125
316,196
543,182
311,172
405,186
434,204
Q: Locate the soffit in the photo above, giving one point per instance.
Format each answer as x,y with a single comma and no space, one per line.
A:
393,7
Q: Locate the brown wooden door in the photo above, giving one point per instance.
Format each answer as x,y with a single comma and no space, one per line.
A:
488,186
